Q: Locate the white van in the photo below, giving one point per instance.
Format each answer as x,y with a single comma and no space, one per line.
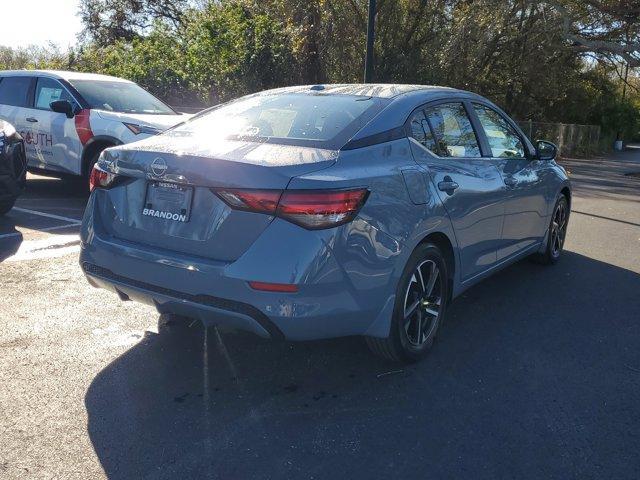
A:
68,118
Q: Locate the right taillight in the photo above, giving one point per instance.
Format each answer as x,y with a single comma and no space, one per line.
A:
99,178
321,208
311,209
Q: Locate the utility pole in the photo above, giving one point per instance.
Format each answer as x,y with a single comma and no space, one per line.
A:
368,62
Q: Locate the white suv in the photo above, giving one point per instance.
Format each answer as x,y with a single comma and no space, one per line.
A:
68,118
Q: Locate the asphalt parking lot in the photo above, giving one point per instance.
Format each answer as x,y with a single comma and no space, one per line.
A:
535,375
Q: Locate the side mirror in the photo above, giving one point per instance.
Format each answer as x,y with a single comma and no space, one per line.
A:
546,150
63,106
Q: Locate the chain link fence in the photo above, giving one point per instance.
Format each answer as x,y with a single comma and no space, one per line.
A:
572,140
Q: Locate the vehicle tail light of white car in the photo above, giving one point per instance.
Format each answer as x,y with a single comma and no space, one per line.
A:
311,209
100,178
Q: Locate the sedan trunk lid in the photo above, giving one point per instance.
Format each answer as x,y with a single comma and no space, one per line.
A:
165,194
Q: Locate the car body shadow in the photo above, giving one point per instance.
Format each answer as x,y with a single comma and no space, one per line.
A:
532,361
67,188
10,238
62,200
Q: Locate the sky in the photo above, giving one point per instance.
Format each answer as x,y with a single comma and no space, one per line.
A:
36,22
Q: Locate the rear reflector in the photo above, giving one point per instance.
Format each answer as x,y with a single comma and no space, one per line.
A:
311,209
100,178
274,287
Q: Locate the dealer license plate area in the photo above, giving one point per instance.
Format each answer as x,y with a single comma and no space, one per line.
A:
168,201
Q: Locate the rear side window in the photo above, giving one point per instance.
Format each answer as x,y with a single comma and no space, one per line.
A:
49,90
421,131
14,91
453,131
503,139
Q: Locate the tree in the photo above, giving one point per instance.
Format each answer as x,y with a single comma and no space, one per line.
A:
529,56
231,50
608,29
108,21
34,56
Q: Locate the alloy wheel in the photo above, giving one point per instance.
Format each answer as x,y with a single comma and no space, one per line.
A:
422,304
558,228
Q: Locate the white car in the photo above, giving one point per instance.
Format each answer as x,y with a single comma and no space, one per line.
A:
68,118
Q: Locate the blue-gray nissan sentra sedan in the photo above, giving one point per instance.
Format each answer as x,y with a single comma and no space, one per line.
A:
323,211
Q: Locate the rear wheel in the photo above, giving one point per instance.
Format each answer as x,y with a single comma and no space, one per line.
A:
420,307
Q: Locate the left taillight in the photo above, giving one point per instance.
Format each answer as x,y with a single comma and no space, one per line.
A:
100,178
311,209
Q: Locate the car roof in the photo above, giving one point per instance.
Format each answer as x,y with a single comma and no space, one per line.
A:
378,90
400,99
61,75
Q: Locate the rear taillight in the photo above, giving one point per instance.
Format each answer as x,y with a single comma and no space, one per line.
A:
321,209
100,178
312,209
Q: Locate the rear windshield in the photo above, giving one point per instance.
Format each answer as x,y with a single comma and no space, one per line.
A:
323,121
122,97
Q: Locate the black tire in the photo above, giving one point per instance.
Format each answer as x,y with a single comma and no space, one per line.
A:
404,343
556,234
6,206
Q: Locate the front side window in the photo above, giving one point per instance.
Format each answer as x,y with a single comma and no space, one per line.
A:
14,91
121,97
453,130
503,140
49,90
326,121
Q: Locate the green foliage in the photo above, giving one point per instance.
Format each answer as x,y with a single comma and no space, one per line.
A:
515,52
620,117
155,62
230,50
35,57
108,21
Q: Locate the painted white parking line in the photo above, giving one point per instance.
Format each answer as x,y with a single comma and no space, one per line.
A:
46,229
48,215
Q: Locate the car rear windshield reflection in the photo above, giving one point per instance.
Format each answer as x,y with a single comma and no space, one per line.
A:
299,119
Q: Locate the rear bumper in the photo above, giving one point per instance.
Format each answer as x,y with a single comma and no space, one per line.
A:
206,308
217,293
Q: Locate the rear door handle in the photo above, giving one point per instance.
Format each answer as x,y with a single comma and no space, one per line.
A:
31,119
448,185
